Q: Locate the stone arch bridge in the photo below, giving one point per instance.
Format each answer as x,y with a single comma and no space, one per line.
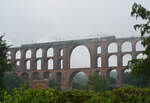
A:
37,62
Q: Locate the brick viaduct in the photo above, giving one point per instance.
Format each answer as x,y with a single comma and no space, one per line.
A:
25,58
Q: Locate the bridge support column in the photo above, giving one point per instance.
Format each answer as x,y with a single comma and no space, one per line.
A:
33,62
120,75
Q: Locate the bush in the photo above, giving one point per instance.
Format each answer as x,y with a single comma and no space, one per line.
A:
121,95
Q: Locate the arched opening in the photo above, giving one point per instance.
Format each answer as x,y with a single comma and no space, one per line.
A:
126,47
77,78
58,77
112,61
113,76
18,54
35,76
112,48
8,55
18,63
98,50
28,53
126,59
38,65
50,64
141,56
47,75
127,75
28,64
80,57
99,64
24,76
61,52
61,64
39,53
50,52
139,46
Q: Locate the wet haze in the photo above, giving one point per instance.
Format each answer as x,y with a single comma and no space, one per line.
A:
35,21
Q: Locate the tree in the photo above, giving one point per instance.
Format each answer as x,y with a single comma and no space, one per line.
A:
140,67
4,63
76,85
131,79
98,83
13,81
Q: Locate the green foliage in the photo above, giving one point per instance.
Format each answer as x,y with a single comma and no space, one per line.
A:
112,80
121,95
131,79
54,84
132,95
31,96
98,83
4,63
103,97
12,81
141,66
140,12
76,85
75,96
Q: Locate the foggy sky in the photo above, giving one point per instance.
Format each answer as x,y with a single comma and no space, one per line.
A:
32,21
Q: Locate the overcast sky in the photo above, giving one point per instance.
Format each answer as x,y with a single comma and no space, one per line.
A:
32,21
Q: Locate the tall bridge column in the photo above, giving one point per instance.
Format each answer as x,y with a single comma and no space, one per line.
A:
66,57
119,57
13,56
44,59
93,52
56,58
104,54
22,60
120,75
33,59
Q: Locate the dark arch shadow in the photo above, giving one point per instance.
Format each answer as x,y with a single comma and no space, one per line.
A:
35,76
58,77
24,76
71,77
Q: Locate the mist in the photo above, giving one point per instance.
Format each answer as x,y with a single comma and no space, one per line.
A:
36,21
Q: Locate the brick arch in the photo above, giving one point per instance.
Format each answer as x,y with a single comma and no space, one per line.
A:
49,51
111,57
18,54
136,43
123,57
72,75
125,42
27,64
99,61
110,43
98,49
39,52
76,46
119,72
26,53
